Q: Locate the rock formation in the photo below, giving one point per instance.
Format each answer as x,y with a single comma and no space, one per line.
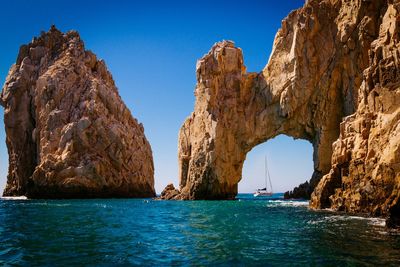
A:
170,192
304,190
331,60
365,173
69,135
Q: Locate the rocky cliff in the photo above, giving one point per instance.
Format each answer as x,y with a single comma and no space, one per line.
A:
69,135
365,173
331,79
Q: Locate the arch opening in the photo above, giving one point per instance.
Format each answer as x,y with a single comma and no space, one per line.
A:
290,163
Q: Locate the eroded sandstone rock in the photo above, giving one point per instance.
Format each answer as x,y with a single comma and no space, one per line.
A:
170,193
365,174
304,190
331,60
68,132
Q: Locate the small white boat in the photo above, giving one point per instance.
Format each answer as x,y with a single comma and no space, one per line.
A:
265,192
262,193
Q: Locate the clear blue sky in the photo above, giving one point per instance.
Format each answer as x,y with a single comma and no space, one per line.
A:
151,48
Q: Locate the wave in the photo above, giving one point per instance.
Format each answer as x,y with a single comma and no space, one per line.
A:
338,218
14,198
50,204
289,203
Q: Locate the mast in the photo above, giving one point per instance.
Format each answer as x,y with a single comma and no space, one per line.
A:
266,173
267,176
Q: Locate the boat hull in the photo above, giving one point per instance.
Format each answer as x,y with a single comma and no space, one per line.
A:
262,194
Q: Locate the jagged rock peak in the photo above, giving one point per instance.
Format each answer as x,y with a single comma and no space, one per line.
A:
69,134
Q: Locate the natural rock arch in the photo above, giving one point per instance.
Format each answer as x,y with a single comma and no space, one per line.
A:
304,92
235,111
333,79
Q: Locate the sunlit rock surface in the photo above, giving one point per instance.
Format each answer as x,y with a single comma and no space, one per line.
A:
365,173
332,79
69,135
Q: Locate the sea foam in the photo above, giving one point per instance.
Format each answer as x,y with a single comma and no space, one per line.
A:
288,203
338,218
14,198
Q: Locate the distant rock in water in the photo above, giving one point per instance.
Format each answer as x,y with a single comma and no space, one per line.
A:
333,78
170,193
305,189
69,135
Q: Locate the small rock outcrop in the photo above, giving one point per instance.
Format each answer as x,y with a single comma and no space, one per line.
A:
170,193
69,135
304,190
332,79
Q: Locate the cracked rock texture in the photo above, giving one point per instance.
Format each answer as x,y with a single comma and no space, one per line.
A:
69,135
332,79
365,173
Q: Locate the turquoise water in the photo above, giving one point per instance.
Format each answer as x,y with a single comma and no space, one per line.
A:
146,232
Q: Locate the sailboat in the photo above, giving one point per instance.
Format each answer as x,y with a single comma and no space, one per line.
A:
265,191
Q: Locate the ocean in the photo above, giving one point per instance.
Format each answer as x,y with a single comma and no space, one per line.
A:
146,232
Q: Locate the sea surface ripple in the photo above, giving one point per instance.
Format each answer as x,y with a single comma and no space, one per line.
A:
145,232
